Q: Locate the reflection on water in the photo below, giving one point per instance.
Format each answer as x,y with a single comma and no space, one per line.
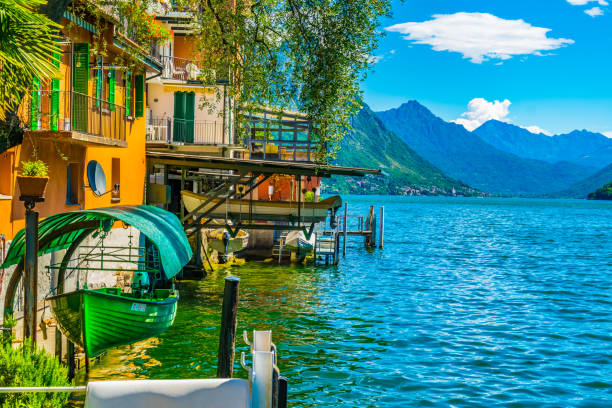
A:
472,303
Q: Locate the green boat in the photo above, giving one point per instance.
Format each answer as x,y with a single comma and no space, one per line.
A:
98,319
104,318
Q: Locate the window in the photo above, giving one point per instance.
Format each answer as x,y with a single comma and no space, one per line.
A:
73,183
116,179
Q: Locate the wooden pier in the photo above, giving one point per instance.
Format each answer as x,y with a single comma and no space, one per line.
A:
327,246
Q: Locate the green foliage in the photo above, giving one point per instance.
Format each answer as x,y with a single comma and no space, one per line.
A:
309,197
27,39
305,55
23,367
604,193
34,168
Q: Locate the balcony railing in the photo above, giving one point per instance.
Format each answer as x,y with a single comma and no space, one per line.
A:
289,137
183,131
179,68
73,111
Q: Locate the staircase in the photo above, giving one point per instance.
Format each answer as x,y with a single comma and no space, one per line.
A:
278,249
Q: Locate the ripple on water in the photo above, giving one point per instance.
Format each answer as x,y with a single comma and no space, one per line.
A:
472,303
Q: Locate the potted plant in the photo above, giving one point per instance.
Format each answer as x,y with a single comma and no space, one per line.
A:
33,178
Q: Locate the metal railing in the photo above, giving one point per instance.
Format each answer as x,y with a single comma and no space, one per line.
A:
72,111
174,130
179,68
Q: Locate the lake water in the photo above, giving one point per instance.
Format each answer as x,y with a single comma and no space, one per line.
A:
472,303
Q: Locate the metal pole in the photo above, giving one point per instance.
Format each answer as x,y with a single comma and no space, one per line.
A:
229,321
344,229
31,273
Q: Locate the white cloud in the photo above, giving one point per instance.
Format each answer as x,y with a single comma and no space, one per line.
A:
480,111
584,2
375,59
608,134
594,12
480,36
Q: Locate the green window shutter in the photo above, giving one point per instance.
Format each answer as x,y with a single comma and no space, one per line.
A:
35,104
189,116
139,95
111,90
55,86
99,73
80,85
128,94
179,117
80,69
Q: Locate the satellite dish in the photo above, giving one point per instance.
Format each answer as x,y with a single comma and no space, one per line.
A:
96,178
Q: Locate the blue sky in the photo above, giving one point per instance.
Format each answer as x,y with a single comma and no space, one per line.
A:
547,63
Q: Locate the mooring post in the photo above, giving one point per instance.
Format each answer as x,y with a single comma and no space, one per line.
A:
382,226
58,344
71,363
229,321
282,392
31,274
344,229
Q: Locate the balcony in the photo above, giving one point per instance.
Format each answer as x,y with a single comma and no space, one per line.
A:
179,69
76,115
288,137
183,131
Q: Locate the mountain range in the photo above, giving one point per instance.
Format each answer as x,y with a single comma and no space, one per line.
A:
420,153
465,156
580,146
371,145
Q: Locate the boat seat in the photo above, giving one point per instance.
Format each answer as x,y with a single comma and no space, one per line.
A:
209,393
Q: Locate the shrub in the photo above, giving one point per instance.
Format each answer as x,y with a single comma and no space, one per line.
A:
34,168
23,367
309,197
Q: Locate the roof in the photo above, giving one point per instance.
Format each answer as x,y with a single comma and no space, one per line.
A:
160,226
250,165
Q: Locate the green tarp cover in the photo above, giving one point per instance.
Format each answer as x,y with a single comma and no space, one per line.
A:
160,226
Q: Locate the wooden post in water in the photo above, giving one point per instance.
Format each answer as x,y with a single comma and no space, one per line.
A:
71,362
229,321
282,392
344,229
382,226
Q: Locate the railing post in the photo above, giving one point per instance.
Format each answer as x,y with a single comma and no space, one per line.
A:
344,229
229,321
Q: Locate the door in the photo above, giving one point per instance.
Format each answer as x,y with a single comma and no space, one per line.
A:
184,111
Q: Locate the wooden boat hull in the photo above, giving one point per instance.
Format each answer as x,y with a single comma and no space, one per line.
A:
236,244
101,319
261,210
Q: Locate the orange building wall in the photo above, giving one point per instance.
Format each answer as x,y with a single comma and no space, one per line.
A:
286,188
183,47
131,161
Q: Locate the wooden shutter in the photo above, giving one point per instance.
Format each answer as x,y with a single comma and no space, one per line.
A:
179,117
189,116
139,95
35,108
111,89
99,74
55,86
128,94
80,86
80,68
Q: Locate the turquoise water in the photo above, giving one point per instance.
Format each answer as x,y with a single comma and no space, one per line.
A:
472,303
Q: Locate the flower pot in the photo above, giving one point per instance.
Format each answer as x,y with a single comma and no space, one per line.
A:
32,186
